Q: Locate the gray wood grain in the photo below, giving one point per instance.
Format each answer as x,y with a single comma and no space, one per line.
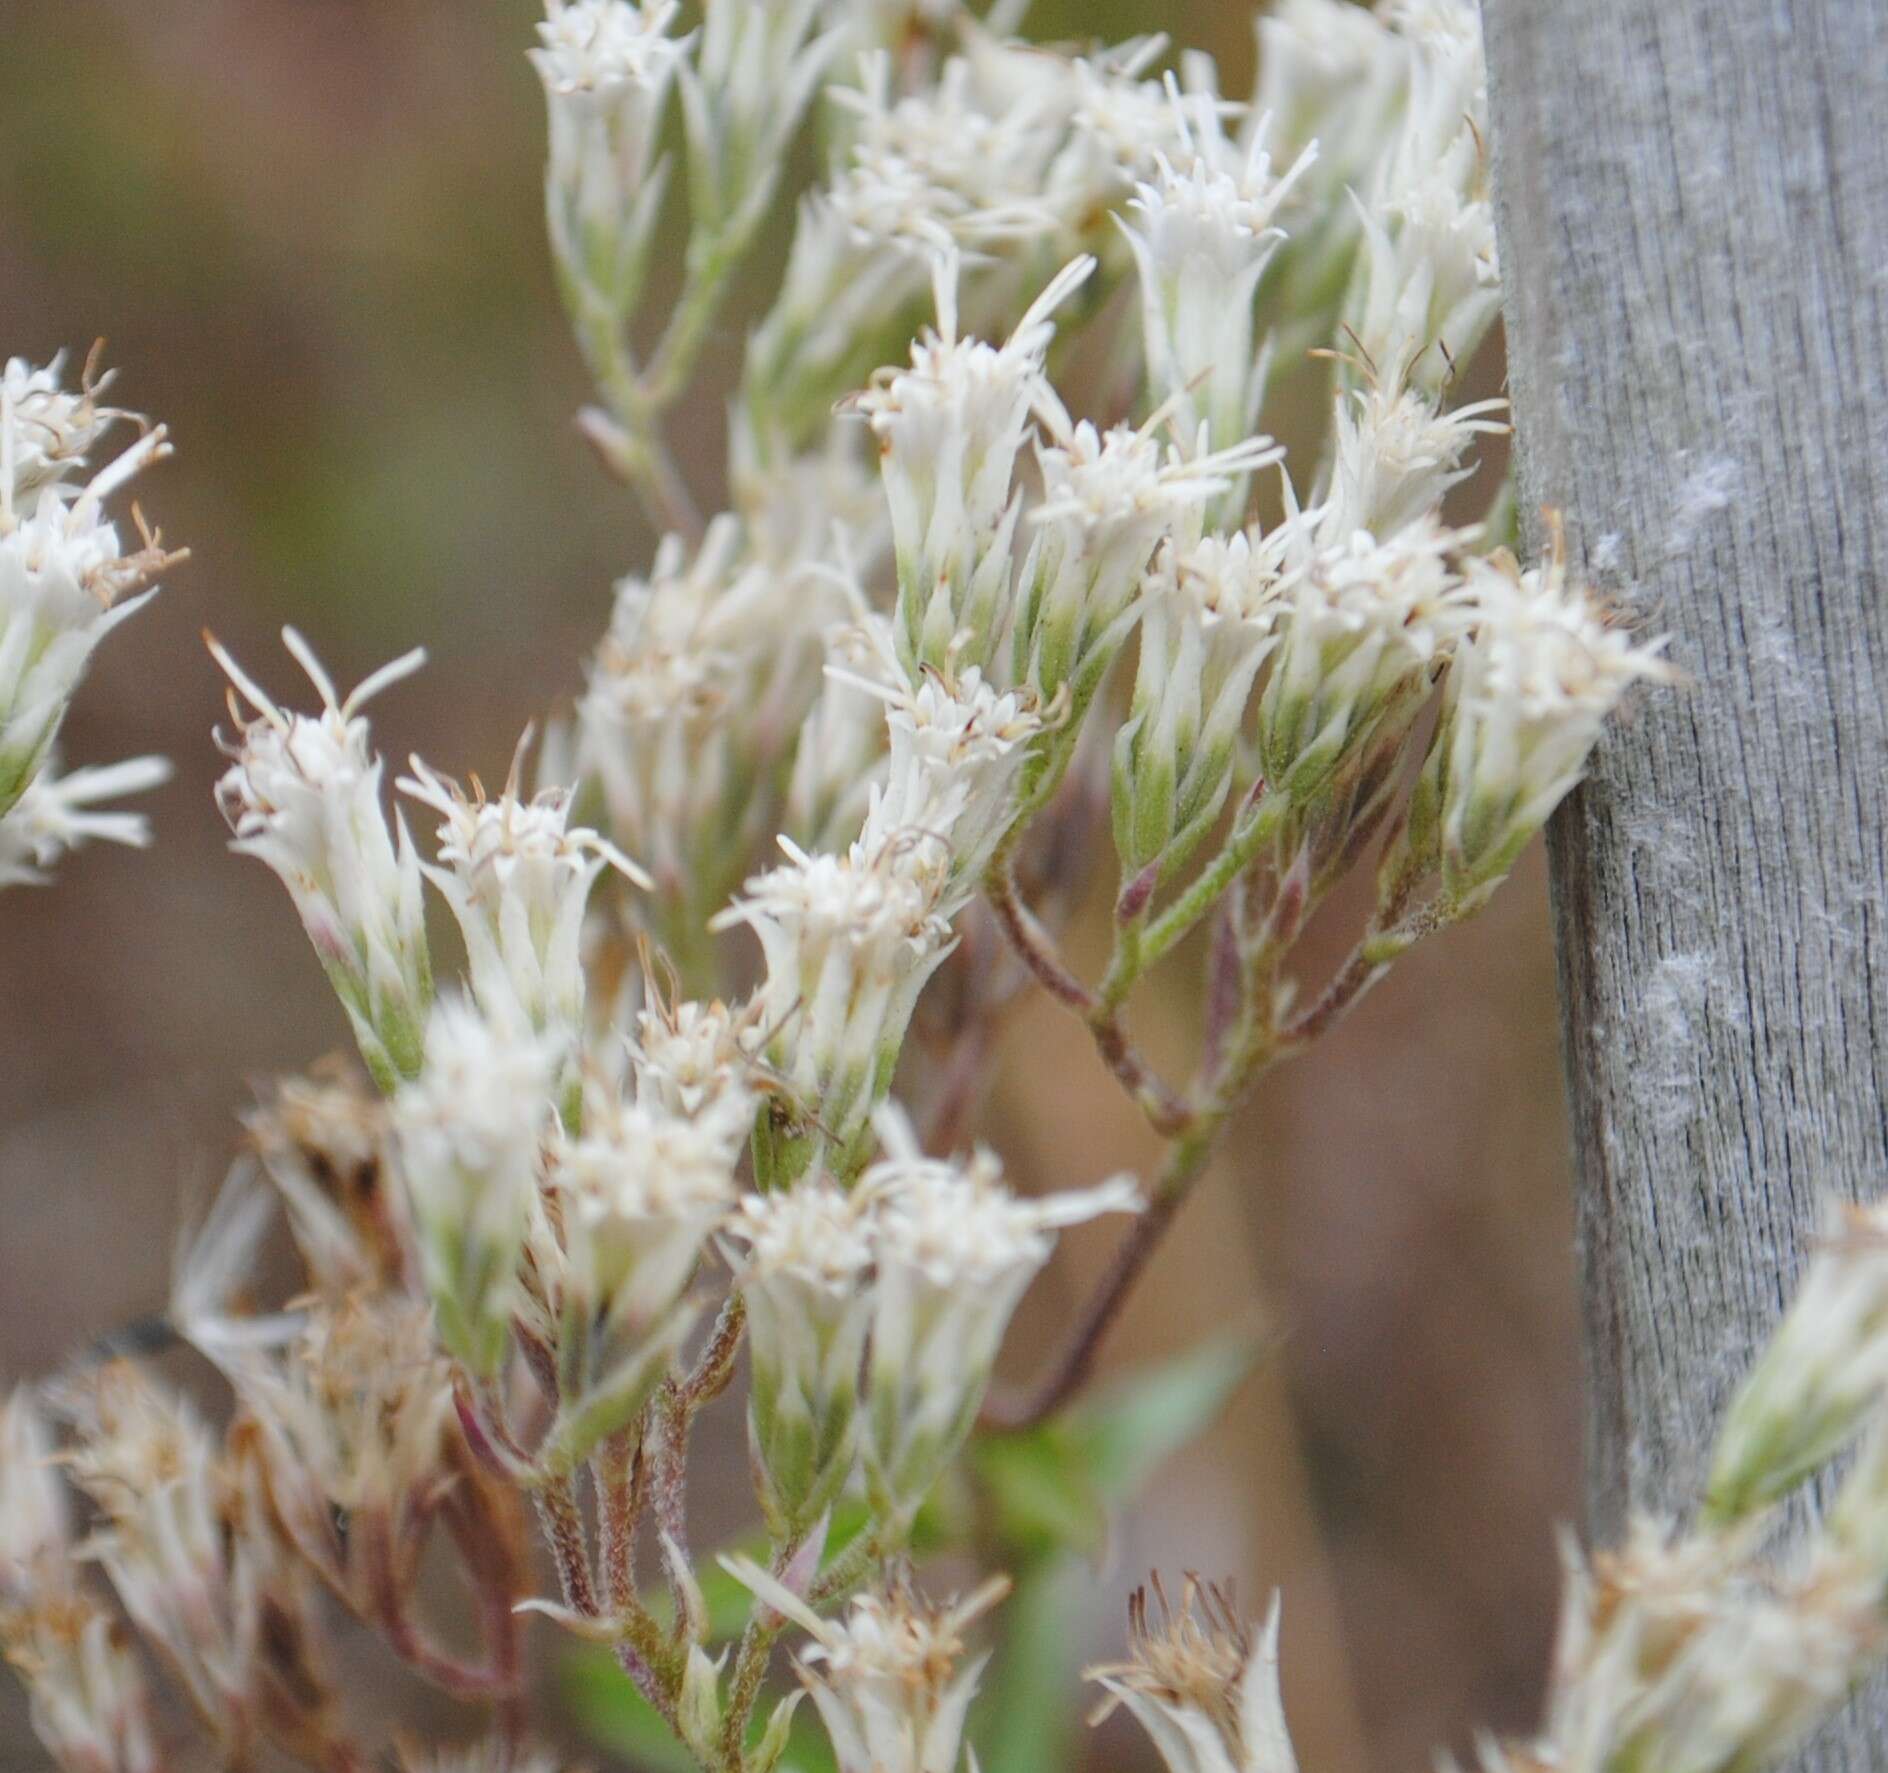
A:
1693,212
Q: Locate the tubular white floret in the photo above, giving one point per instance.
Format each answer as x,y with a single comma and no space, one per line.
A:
949,430
518,877
47,429
848,942
956,1250
1397,456
1205,230
1211,621
958,749
697,1061
802,1260
302,795
1366,625
1534,682
468,1130
886,1678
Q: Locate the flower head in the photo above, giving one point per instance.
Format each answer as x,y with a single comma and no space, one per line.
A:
1534,682
518,877
803,1265
606,66
956,1250
888,1679
468,1131
949,430
66,577
1366,625
1202,1683
54,814
1821,1374
302,794
848,942
35,1522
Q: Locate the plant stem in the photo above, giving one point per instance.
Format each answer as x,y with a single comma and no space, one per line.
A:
562,1521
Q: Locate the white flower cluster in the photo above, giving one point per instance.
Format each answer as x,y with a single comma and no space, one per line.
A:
66,580
924,1260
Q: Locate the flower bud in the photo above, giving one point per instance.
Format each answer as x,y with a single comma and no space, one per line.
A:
805,1277
468,1131
302,794
1824,1370
956,1250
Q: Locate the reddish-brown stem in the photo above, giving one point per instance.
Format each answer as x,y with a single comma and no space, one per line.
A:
1070,1369
619,1472
562,1521
1034,946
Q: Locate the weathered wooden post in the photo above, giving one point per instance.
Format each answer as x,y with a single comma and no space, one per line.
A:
1693,202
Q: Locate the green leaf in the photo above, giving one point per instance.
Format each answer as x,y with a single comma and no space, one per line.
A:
605,1705
1025,1719
1041,1493
1125,1433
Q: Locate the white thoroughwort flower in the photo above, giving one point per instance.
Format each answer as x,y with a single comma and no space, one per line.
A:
696,1061
606,67
66,579
886,1678
949,429
1430,284
518,877
1109,499
1202,1683
805,1273
1677,1656
1204,231
1397,456
55,814
958,749
1366,624
634,1199
1822,1373
848,943
1533,684
468,1130
956,1251
1211,621
743,97
302,794
841,754
695,696
50,429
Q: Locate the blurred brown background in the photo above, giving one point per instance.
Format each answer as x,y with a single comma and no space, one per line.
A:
310,230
